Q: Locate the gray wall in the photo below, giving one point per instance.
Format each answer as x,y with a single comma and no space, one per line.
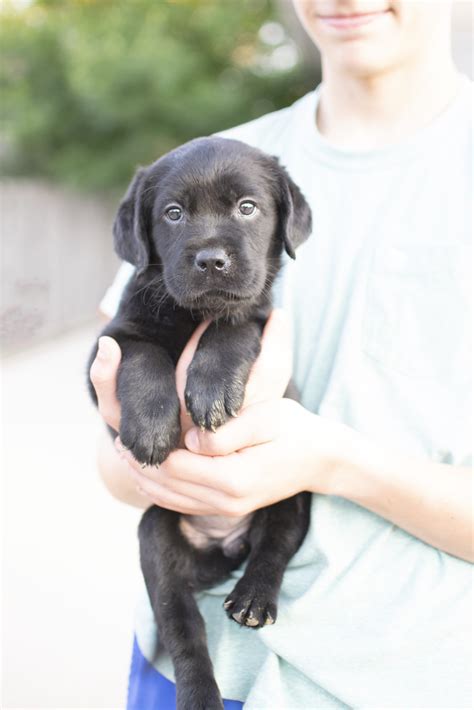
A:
57,260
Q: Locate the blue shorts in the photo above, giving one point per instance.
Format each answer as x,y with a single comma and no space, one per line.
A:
149,690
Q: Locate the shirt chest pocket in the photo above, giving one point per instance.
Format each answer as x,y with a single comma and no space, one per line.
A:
416,319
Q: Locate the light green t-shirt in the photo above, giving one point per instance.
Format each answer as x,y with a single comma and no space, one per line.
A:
369,616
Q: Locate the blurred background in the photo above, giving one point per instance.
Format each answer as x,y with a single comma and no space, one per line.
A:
89,89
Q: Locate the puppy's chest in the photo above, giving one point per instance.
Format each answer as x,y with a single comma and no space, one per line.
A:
204,531
170,328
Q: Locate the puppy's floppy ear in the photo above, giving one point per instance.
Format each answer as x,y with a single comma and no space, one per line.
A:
295,221
130,228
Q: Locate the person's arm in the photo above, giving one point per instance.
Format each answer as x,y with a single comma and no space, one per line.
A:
282,449
432,501
276,448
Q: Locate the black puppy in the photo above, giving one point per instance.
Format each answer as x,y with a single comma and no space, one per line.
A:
205,227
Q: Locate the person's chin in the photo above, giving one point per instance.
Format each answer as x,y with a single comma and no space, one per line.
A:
360,49
364,58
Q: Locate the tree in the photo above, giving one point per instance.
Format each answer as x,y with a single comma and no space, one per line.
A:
91,88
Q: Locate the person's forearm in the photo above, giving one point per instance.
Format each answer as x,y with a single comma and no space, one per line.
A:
114,473
431,501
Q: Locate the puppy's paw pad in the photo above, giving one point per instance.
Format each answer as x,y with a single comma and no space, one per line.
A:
255,612
251,619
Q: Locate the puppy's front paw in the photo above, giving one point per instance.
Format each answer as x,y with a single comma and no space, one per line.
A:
150,435
212,399
251,603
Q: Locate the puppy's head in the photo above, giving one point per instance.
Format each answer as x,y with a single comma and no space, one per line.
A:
215,215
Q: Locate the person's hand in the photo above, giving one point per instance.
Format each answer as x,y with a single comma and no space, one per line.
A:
273,450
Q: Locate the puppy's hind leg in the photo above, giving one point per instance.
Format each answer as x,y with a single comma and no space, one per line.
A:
276,534
172,569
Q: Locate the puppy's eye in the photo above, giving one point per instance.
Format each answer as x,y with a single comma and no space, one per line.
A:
247,208
174,213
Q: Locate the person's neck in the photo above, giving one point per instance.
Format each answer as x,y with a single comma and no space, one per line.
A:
370,112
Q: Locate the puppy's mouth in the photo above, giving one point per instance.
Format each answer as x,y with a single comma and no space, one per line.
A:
225,295
216,298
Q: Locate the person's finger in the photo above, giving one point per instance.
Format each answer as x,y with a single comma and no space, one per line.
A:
211,501
180,495
253,426
103,374
219,474
182,371
186,358
191,498
181,464
271,371
164,497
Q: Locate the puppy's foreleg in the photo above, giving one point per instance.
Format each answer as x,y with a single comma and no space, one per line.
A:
146,389
219,371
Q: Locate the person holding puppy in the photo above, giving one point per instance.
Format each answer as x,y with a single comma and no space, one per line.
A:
374,608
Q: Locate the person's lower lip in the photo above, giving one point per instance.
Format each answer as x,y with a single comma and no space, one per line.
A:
344,22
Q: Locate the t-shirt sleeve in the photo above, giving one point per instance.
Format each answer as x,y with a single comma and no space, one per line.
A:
110,302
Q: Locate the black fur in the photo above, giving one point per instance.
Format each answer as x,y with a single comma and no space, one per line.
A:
213,262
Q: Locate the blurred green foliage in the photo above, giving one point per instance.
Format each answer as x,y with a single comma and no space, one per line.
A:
92,88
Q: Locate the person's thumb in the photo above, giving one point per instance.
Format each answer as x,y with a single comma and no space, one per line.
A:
252,427
103,374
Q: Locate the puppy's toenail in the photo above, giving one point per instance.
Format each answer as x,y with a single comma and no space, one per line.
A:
228,604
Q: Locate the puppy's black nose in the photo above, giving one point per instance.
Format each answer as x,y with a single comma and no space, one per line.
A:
212,260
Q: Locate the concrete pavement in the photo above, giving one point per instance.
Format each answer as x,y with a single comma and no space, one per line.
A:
70,561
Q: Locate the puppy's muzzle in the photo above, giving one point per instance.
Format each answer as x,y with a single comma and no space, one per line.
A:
212,261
